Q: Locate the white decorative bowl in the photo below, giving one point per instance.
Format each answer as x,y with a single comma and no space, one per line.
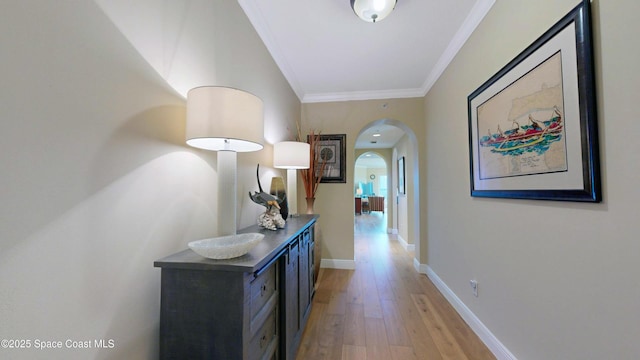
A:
226,247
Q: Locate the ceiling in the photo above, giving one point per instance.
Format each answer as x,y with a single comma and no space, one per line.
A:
389,136
328,54
371,161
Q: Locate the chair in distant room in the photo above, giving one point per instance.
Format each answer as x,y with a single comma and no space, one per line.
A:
365,206
376,203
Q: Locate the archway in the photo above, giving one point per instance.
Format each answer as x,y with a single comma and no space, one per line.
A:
372,185
412,179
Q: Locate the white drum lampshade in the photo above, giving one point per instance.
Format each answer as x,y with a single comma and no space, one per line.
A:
228,121
291,155
222,118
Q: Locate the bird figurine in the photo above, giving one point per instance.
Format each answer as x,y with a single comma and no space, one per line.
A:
261,197
271,218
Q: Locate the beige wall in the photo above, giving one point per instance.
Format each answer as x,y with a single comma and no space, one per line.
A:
96,181
334,202
405,232
556,280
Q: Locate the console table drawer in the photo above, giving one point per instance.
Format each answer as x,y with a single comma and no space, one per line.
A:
262,288
264,343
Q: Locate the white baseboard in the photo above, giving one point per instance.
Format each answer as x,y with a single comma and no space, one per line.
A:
421,268
487,337
338,264
406,245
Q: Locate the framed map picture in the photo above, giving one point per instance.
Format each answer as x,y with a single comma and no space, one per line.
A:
532,126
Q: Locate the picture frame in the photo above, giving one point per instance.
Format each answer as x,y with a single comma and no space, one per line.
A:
532,126
402,189
332,148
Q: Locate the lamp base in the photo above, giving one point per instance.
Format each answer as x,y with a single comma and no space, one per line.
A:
227,170
292,191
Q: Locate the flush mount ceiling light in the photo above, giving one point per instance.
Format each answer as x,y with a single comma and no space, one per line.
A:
373,10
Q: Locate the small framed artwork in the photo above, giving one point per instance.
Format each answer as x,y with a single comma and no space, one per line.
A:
332,150
532,126
402,189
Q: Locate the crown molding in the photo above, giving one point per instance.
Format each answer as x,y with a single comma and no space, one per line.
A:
477,13
363,95
259,23
469,25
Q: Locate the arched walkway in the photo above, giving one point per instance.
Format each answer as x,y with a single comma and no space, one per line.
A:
412,182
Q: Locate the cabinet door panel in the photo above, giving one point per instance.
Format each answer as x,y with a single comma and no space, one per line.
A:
314,263
303,278
291,300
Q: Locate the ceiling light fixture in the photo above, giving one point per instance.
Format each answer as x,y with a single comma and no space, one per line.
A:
373,10
376,134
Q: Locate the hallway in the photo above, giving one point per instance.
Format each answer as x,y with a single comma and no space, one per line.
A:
384,309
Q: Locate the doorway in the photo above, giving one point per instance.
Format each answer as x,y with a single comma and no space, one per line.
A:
371,192
395,141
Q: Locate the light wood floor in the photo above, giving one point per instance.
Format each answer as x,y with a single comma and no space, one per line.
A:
384,309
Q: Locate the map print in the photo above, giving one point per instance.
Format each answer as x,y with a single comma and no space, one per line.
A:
524,125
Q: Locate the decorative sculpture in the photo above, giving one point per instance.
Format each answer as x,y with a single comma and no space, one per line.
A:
278,190
271,219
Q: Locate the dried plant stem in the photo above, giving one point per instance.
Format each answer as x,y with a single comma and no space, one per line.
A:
311,177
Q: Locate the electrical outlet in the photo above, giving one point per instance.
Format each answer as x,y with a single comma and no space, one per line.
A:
474,287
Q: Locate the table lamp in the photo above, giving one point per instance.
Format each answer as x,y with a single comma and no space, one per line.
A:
228,121
291,155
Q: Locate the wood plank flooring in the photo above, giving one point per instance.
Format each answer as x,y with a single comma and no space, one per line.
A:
384,309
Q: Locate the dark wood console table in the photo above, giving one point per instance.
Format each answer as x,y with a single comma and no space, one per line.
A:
250,307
